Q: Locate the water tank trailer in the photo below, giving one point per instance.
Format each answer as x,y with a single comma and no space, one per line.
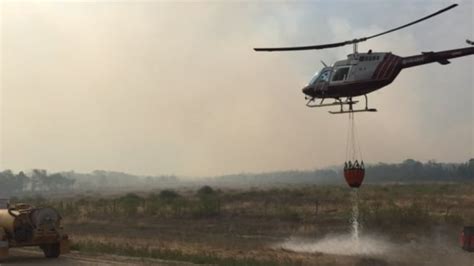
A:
24,225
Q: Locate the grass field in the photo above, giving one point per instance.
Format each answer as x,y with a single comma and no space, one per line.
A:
247,227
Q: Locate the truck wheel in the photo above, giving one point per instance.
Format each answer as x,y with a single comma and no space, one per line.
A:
51,250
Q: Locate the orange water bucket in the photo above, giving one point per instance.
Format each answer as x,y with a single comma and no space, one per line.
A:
354,176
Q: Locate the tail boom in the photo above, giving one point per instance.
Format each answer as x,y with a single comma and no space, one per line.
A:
431,57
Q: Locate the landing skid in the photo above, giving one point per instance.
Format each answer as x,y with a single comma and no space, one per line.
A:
351,110
338,102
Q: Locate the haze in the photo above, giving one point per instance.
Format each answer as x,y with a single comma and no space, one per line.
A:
175,88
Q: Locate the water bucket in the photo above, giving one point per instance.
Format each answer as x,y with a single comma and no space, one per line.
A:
354,176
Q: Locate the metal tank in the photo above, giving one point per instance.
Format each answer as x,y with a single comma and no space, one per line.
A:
25,225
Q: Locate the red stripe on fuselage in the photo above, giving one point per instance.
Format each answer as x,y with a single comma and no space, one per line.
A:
397,66
380,66
385,66
384,74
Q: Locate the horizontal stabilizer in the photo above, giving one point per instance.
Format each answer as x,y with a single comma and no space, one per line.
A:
470,42
432,55
444,61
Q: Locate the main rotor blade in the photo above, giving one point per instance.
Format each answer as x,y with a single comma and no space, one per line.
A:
298,48
414,22
338,44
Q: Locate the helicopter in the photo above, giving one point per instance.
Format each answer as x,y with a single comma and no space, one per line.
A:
363,73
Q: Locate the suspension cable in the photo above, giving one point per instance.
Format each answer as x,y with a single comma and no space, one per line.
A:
348,139
353,149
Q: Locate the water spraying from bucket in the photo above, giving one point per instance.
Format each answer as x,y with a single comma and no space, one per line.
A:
353,243
355,226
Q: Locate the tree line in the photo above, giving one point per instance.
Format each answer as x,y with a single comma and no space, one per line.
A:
414,171
408,171
36,181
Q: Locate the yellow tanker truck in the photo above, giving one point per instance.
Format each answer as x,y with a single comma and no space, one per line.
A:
23,225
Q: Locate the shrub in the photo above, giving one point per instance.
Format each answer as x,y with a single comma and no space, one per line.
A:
130,203
168,195
205,191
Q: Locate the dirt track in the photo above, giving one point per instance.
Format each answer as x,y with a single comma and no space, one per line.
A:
31,256
28,256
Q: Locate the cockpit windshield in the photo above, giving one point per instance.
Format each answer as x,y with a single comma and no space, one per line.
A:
314,78
321,76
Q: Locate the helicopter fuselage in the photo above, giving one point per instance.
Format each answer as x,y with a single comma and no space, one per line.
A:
363,73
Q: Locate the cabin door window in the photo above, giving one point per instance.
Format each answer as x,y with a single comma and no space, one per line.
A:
340,74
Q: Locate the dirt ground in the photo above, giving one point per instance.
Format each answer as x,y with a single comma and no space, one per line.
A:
31,256
439,249
408,255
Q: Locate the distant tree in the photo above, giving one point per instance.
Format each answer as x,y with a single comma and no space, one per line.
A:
6,185
23,181
205,191
37,179
41,181
470,169
168,195
58,182
411,168
209,202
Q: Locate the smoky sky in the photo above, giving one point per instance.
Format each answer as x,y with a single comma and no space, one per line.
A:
175,87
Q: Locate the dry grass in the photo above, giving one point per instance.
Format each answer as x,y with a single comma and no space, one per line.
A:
235,227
